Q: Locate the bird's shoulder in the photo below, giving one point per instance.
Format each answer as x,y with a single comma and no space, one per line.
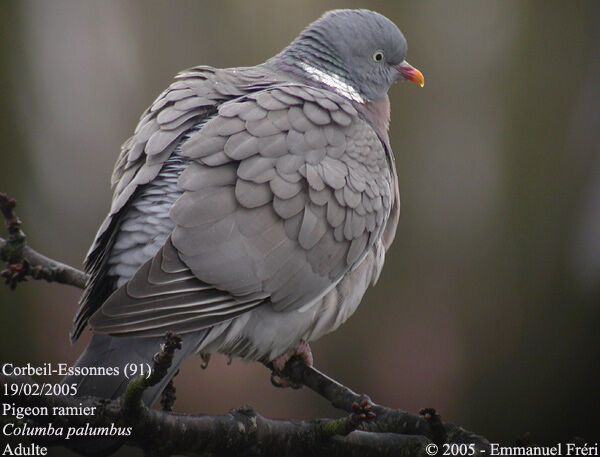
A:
190,99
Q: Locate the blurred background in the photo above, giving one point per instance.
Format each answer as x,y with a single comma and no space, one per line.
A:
488,308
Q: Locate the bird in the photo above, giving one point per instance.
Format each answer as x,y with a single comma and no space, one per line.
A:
252,207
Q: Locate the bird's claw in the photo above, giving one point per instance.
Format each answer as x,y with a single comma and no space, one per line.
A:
205,356
277,378
282,382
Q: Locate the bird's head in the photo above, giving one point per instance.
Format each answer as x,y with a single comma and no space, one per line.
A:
357,53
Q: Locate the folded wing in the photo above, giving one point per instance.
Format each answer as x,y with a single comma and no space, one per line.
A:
286,191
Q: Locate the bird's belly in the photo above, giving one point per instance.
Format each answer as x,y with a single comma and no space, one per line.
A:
263,333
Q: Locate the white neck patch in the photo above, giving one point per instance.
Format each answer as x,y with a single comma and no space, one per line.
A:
333,81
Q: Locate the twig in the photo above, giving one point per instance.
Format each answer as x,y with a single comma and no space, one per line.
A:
241,432
132,398
13,223
167,397
388,420
24,262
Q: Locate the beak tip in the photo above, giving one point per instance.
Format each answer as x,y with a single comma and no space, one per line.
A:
418,78
410,73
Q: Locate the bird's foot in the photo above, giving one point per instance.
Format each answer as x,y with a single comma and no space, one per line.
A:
205,356
303,351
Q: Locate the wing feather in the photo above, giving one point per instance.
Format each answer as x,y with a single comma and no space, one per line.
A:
287,190
186,104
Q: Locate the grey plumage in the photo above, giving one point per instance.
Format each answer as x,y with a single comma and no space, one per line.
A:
252,206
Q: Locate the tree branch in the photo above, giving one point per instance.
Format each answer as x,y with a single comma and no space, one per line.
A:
240,432
388,420
367,430
24,262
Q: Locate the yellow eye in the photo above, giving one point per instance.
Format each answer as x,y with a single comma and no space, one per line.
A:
378,56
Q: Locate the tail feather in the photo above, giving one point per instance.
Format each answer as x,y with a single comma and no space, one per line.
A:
116,352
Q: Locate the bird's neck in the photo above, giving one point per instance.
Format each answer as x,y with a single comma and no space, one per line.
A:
377,113
303,67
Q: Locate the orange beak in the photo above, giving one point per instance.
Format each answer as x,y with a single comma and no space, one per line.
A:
410,73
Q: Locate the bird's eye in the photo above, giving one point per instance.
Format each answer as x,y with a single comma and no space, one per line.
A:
378,56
